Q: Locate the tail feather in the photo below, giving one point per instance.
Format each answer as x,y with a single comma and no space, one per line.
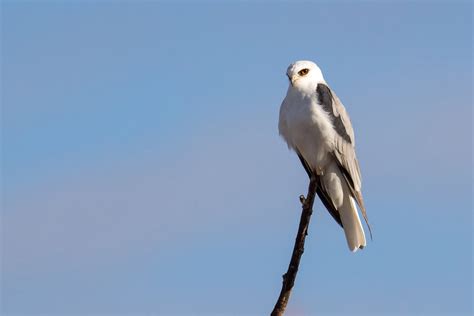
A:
339,198
352,225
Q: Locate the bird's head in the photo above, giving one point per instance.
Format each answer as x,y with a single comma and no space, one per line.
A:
304,75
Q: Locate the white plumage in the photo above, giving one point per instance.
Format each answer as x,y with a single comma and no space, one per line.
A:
314,123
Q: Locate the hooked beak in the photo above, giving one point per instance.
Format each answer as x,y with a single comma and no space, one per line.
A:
292,79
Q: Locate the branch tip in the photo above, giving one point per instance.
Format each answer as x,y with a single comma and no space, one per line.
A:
298,249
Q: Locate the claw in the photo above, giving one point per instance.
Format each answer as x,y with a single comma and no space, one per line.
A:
319,171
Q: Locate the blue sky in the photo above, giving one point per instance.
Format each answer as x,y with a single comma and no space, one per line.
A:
143,173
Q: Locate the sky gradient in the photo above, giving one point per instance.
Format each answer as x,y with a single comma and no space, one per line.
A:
143,174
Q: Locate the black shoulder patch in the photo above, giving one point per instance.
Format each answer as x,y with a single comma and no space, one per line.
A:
324,96
326,99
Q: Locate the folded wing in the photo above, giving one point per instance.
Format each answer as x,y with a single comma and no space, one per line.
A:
344,144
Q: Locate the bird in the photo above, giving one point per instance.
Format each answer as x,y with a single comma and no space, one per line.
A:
315,125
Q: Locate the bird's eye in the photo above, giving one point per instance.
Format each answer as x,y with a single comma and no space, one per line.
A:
303,72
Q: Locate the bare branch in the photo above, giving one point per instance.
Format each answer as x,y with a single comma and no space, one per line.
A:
290,276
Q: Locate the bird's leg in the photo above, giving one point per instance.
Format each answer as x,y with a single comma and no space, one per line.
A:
319,171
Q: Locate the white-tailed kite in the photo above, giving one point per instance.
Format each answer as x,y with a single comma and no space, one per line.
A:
315,124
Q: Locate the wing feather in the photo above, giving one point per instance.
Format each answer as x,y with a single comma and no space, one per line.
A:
344,144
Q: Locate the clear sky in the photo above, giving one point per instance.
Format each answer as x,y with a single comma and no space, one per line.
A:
142,171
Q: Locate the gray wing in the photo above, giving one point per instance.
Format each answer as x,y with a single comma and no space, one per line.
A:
344,143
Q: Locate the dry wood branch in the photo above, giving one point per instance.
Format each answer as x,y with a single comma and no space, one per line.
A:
290,276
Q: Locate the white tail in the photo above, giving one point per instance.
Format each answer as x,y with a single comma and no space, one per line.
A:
335,185
351,223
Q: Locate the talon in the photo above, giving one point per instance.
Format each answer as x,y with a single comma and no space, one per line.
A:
319,171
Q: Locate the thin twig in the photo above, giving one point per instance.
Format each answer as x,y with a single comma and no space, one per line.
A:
290,276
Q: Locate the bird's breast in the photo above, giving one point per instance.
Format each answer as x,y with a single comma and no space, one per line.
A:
310,132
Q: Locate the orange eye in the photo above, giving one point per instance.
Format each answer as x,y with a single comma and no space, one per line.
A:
303,72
